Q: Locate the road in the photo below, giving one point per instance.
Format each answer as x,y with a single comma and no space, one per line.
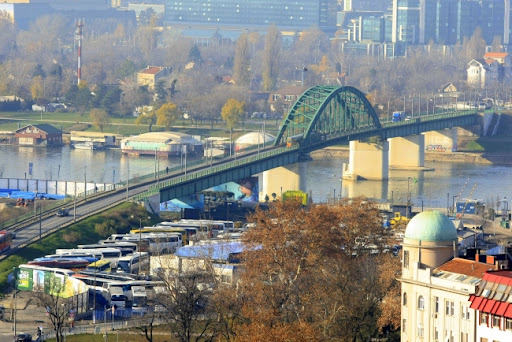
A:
31,231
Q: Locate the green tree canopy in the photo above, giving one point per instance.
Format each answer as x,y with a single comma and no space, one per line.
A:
232,111
148,118
167,115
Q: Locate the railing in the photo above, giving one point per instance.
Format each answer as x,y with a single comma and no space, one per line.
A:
155,189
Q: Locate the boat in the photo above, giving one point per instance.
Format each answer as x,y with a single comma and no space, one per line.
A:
86,145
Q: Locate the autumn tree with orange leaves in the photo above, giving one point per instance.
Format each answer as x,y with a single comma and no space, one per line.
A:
309,275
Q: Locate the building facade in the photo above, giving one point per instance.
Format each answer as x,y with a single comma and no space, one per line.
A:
39,135
246,13
493,307
151,75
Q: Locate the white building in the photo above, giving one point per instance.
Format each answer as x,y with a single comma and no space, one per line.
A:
436,286
493,306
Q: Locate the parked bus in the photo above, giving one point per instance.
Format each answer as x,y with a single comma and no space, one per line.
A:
74,264
142,243
5,240
100,266
133,263
158,229
125,247
89,257
161,243
205,228
112,254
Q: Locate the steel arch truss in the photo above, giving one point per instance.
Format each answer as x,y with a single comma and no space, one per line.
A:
324,111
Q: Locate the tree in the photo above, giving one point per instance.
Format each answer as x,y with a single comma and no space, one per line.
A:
271,59
161,94
99,118
231,112
308,273
56,306
195,54
79,96
146,118
185,300
241,70
167,115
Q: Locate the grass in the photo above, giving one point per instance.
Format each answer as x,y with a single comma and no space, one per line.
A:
486,145
82,232
9,121
113,337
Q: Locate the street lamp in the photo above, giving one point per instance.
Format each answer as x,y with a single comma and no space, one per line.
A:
407,205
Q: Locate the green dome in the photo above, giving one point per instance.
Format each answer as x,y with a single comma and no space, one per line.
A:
431,226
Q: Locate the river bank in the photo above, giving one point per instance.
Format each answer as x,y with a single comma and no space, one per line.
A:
483,158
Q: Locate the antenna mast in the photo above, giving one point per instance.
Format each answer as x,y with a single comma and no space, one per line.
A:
79,24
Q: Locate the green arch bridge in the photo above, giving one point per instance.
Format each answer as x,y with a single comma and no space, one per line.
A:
322,116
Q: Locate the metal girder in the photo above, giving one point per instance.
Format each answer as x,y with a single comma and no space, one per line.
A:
324,110
196,185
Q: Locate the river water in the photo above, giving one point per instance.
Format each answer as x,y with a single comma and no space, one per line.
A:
321,177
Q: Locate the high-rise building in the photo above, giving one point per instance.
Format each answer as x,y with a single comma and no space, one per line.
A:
406,21
449,21
253,13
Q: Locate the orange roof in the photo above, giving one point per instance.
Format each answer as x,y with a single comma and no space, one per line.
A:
467,267
151,70
496,55
489,60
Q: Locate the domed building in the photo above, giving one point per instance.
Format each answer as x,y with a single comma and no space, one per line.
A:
431,239
436,284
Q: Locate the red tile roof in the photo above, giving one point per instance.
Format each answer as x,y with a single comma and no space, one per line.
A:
499,276
496,55
467,267
151,70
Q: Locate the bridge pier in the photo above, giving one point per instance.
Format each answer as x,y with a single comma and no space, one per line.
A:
407,152
367,161
277,181
441,141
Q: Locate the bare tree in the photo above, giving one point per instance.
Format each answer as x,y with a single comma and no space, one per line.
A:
186,302
56,306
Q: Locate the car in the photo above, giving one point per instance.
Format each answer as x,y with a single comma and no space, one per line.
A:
63,212
23,337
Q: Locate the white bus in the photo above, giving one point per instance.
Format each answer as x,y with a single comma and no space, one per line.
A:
159,243
125,247
133,263
111,254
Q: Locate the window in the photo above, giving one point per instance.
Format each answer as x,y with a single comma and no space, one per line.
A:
450,308
436,335
465,312
406,259
483,318
437,305
405,298
404,325
420,330
421,303
508,324
496,320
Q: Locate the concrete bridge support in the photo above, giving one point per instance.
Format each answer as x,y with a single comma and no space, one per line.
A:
367,161
407,152
441,141
277,181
